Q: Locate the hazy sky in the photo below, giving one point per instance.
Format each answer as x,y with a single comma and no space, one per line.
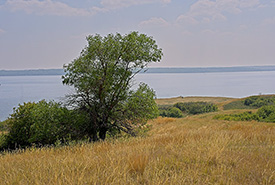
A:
192,33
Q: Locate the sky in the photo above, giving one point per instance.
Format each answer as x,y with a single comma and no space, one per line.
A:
46,34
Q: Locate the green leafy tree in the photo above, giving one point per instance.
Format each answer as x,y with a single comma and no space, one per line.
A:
103,76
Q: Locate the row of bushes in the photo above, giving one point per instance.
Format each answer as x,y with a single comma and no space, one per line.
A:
264,114
180,109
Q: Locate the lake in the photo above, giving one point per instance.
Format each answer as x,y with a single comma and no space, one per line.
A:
15,90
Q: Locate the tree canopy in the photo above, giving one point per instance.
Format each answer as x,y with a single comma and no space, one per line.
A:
103,77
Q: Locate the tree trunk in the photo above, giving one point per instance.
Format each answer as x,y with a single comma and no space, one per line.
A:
102,133
93,132
93,136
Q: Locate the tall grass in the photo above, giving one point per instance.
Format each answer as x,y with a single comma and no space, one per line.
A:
191,150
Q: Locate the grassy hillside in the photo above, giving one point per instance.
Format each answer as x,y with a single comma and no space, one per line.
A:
191,150
220,101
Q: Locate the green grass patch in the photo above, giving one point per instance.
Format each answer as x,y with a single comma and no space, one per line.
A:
238,104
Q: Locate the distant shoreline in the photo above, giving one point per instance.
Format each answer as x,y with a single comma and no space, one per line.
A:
49,72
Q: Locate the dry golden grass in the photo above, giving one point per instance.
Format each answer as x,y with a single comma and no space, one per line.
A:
191,150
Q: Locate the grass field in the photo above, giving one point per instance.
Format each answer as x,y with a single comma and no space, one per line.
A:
191,150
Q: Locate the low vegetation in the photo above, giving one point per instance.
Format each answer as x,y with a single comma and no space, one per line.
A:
264,114
252,102
180,109
41,123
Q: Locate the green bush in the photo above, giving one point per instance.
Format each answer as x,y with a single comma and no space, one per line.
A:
196,107
267,113
175,112
42,123
171,112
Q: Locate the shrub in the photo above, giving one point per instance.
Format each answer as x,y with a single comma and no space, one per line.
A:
170,112
175,112
196,107
259,101
267,113
42,123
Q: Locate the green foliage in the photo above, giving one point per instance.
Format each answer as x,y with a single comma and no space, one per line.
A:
39,124
259,101
3,126
264,114
171,112
135,111
196,107
102,77
252,102
180,109
2,139
267,113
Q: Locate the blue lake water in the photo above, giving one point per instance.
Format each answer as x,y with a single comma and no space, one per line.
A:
15,90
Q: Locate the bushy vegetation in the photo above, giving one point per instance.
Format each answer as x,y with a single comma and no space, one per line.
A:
196,107
252,102
173,112
259,101
49,123
180,109
264,114
42,123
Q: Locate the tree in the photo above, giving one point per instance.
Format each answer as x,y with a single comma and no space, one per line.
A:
103,76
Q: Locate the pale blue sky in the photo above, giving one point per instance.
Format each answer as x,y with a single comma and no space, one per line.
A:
37,34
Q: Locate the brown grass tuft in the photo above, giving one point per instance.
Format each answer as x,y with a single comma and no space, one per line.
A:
138,163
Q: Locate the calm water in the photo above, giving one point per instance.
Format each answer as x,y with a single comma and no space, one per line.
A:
19,89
